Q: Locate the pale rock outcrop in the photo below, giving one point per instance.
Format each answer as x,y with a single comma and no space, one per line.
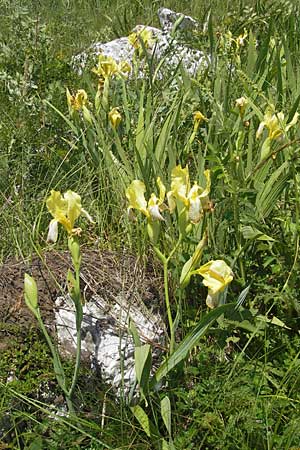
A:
169,48
107,342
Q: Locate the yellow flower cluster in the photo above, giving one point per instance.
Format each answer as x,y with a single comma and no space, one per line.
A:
229,42
79,102
194,200
135,193
191,202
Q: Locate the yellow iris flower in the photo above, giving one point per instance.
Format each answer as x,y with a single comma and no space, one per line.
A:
276,124
135,193
144,35
65,210
115,117
109,68
198,119
240,40
194,199
217,275
78,101
241,103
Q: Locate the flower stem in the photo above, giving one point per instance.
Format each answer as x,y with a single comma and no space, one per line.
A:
297,220
76,297
175,247
58,369
167,301
165,261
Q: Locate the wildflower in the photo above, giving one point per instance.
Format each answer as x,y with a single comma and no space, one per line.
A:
275,123
198,119
240,40
217,275
241,104
115,117
194,200
227,41
124,68
144,35
78,101
65,210
151,209
109,68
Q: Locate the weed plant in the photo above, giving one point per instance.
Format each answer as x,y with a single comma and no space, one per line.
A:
240,387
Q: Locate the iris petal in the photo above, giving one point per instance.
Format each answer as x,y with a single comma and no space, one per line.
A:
53,231
217,275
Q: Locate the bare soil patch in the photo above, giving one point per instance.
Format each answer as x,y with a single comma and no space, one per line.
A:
103,272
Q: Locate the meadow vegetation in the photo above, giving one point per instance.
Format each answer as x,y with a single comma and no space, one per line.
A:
237,386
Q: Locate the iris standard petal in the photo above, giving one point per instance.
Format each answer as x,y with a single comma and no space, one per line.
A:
55,202
180,185
135,194
74,206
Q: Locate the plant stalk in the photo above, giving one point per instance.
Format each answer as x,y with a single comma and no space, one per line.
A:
79,314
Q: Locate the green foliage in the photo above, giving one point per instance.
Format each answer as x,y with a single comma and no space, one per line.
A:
249,408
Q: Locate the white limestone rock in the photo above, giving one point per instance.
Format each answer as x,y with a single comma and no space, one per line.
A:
106,340
168,45
168,18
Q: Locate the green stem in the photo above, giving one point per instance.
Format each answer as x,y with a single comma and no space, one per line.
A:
297,218
70,404
79,315
160,255
237,232
165,261
167,301
175,247
58,369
